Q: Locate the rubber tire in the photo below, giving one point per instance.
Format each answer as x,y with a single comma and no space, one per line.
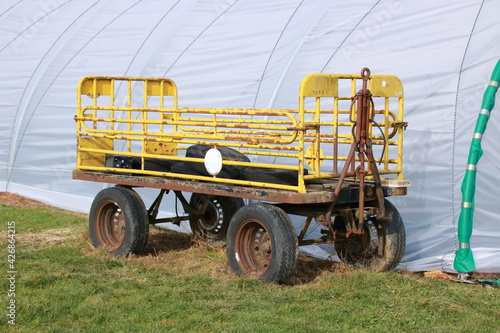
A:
184,168
274,176
284,248
107,204
156,164
392,236
219,211
228,154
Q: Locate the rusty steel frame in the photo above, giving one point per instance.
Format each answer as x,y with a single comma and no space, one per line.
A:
248,192
316,193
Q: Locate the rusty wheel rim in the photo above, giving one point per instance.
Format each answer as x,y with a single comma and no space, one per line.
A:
362,248
110,225
253,248
212,220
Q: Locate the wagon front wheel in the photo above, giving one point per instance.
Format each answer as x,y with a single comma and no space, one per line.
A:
118,221
379,248
262,243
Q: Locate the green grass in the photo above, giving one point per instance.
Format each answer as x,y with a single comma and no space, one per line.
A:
64,285
36,219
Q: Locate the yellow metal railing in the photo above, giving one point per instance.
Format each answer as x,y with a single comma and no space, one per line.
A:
139,117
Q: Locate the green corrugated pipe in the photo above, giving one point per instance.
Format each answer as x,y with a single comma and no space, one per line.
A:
464,260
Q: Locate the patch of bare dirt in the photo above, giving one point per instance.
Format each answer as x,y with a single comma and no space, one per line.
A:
16,200
439,275
485,276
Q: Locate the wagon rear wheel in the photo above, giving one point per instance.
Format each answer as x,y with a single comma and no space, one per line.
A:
262,243
211,225
379,248
118,221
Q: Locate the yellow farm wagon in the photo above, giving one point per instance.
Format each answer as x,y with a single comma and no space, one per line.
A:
331,161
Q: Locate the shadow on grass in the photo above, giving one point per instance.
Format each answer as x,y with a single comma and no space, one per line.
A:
164,240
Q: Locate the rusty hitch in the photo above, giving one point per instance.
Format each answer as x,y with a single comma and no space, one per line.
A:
362,145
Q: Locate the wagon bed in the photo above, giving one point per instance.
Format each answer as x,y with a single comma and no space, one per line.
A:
315,193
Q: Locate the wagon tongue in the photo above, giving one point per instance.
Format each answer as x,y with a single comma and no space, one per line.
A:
362,145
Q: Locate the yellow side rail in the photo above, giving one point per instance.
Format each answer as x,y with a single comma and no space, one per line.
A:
140,118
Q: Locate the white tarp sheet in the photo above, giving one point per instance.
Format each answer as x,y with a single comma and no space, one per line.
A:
235,53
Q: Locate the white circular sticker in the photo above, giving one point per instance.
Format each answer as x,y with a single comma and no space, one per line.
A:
213,161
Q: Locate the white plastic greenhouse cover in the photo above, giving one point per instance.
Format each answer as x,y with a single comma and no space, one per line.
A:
235,53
